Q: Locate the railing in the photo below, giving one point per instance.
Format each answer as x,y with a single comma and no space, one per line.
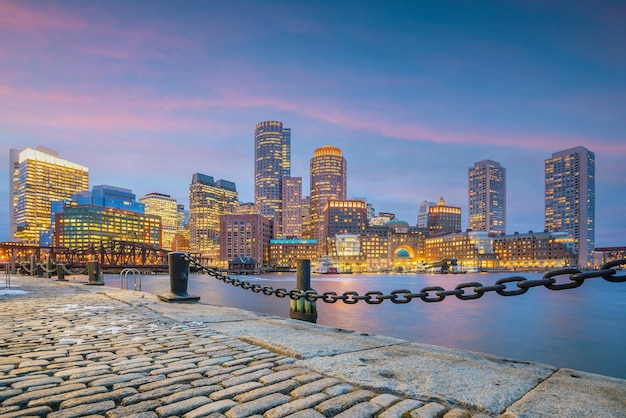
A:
464,291
124,279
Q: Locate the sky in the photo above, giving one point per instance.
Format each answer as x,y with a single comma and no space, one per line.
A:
147,93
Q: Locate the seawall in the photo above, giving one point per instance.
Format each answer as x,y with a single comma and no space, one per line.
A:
68,349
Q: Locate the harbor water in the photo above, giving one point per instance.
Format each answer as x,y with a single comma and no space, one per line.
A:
582,328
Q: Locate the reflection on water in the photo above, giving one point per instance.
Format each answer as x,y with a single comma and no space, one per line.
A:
579,328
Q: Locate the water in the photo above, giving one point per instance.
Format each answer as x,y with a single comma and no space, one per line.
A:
582,328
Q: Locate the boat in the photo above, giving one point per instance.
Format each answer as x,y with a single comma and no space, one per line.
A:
326,266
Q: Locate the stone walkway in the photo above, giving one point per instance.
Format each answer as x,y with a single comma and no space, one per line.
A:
70,350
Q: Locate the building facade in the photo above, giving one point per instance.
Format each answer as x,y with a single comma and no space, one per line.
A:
422,214
38,177
443,219
291,212
166,208
535,251
208,200
470,249
245,236
82,226
487,197
272,162
570,199
284,253
328,182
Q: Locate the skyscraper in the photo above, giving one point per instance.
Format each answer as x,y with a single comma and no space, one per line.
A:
272,161
291,204
38,177
487,197
208,200
422,215
443,219
166,207
571,198
328,182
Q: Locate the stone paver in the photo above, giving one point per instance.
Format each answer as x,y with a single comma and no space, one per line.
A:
70,350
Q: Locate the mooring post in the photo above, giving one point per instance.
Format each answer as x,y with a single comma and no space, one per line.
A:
93,269
60,272
48,267
301,308
179,276
33,266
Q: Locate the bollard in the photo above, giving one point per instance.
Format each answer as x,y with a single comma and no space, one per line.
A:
179,276
48,267
93,269
33,266
302,309
60,272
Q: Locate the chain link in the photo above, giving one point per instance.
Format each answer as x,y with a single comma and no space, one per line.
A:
463,291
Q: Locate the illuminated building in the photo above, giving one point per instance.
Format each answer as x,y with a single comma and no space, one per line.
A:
306,217
291,213
328,182
284,253
208,200
570,199
39,177
443,219
381,219
81,226
166,207
472,249
487,197
247,208
245,236
422,215
109,197
535,251
272,161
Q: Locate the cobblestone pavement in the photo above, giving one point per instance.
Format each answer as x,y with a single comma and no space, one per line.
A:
70,351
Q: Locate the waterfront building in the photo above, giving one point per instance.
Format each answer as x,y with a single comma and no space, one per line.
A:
38,177
208,200
166,207
343,217
471,249
245,236
272,161
535,250
406,245
487,197
284,253
291,211
81,226
328,182
606,254
422,214
570,199
375,245
443,219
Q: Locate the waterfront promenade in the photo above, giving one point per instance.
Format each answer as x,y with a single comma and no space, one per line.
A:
69,350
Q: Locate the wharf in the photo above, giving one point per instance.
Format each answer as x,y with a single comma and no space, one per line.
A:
69,350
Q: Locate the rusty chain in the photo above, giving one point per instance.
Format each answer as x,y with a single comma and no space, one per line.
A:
476,290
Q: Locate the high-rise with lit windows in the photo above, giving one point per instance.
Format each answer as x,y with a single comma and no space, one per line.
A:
38,177
208,200
570,198
291,203
272,162
487,197
166,207
328,182
443,219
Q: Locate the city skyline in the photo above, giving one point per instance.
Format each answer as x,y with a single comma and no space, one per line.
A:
413,94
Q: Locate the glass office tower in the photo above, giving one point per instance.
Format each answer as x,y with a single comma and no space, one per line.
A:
272,162
38,177
570,198
487,197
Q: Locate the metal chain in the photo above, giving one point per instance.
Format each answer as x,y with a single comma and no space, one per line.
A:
507,286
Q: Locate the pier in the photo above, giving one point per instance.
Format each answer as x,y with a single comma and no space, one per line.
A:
69,349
